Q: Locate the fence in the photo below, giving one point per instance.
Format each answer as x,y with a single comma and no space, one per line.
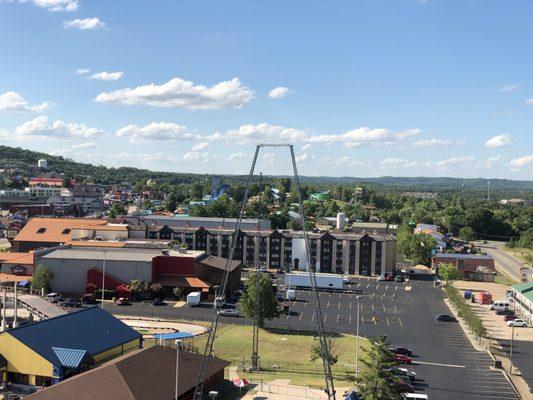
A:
308,368
291,391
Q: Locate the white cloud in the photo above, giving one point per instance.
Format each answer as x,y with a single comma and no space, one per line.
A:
200,146
306,147
87,145
39,127
510,87
84,24
456,161
12,101
518,163
432,143
184,94
529,102
364,135
197,156
279,92
107,76
391,163
499,141
156,131
336,163
302,157
492,161
265,133
236,156
83,71
57,5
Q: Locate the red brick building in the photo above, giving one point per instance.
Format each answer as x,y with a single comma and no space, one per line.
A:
475,267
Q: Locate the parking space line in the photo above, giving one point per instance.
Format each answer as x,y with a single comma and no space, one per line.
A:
396,288
373,309
337,318
395,309
440,365
367,286
386,287
384,308
325,317
387,319
350,318
400,321
301,315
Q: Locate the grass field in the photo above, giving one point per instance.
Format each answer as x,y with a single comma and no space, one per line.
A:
284,355
504,280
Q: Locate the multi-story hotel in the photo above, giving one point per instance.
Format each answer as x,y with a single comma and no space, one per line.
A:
341,252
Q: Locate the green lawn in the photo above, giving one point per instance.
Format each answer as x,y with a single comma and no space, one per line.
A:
504,280
284,355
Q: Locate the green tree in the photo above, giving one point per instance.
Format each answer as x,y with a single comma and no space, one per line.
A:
178,292
377,381
316,352
467,233
42,279
171,203
116,210
448,272
259,284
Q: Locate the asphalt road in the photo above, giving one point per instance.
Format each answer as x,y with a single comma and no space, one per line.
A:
445,361
504,262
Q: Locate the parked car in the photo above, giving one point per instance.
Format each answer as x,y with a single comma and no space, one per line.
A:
404,374
346,281
389,278
404,351
446,318
505,312
517,323
88,299
158,302
401,359
122,301
382,277
500,305
411,272
398,278
53,297
508,318
404,387
229,313
68,302
262,269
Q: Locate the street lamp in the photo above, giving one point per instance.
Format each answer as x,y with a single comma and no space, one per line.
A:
357,338
178,342
103,278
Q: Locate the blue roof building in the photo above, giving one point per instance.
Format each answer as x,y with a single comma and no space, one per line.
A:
46,352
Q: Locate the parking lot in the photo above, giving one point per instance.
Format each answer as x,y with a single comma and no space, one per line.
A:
445,361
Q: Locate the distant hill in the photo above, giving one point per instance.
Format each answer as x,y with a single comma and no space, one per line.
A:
26,159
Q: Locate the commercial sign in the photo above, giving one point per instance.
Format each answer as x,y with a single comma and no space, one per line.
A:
19,270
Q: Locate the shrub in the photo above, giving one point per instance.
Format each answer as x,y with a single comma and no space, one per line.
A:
463,309
108,294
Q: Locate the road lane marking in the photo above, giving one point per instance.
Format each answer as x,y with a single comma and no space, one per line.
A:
439,365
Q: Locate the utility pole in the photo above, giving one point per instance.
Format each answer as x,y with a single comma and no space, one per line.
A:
357,339
257,305
511,353
103,279
4,306
15,322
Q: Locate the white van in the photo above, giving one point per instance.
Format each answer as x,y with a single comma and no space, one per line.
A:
502,305
53,297
416,396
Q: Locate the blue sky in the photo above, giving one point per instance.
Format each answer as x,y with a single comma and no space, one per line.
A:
362,88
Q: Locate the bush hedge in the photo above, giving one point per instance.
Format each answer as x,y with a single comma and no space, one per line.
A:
465,311
108,294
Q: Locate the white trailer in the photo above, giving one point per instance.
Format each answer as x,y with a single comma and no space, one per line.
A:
303,280
193,299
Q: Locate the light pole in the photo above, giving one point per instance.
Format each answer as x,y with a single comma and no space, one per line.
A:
178,342
103,278
357,339
511,353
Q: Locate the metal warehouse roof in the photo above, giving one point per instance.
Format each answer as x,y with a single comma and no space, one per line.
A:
525,289
92,330
110,254
464,256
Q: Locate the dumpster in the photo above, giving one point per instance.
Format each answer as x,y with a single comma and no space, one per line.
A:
484,298
468,294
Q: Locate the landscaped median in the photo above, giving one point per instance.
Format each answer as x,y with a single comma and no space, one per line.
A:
465,311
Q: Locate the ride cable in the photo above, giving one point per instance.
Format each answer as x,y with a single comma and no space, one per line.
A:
221,290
